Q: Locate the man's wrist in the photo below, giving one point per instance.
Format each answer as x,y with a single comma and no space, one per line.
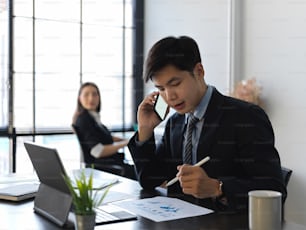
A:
144,136
221,198
220,188
138,143
219,191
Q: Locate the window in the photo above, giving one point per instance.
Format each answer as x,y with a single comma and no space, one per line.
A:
4,142
66,43
3,64
56,46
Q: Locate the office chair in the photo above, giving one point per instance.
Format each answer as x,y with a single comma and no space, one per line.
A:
107,167
286,175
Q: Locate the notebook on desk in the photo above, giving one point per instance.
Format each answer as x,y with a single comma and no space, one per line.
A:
19,192
53,199
18,187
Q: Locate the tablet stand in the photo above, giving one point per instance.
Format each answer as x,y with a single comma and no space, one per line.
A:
53,204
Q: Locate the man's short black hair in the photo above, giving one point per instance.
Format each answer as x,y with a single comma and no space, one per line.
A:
181,52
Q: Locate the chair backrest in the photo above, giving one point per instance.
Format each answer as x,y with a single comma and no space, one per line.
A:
286,174
115,169
77,132
286,177
82,161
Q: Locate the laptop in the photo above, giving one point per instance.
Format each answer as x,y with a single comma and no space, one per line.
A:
53,199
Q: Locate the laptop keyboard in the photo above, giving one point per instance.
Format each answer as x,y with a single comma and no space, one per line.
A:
111,214
102,216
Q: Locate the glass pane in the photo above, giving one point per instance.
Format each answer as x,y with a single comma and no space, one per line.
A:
128,13
57,47
128,97
23,45
128,51
66,145
102,54
67,10
23,162
23,8
56,99
103,12
3,64
23,101
68,149
4,155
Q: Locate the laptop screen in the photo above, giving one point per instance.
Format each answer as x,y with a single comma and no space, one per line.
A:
48,166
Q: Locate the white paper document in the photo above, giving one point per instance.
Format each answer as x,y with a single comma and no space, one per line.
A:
161,208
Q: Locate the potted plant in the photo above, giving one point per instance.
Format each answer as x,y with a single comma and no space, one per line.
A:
85,199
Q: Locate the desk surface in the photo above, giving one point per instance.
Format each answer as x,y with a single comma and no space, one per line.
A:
21,216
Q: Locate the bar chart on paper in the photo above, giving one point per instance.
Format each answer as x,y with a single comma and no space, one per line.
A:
163,208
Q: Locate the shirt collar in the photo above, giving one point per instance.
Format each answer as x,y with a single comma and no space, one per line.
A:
200,110
95,115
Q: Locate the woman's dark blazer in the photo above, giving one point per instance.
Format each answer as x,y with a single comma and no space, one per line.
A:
237,136
90,133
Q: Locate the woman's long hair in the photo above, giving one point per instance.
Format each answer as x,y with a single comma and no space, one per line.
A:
80,108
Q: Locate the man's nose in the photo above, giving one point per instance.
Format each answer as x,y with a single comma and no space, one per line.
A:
170,95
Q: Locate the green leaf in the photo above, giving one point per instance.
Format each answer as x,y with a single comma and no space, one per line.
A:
84,199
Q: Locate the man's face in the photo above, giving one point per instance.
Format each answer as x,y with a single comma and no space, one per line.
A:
181,90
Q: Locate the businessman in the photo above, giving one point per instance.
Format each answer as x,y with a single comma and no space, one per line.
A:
236,135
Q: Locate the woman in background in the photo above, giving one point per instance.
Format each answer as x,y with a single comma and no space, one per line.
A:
99,146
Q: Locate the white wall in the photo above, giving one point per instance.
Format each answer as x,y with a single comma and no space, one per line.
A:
274,51
205,21
270,45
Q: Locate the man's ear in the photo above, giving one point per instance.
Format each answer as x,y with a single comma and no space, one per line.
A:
198,70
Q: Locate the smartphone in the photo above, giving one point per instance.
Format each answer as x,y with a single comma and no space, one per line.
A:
160,107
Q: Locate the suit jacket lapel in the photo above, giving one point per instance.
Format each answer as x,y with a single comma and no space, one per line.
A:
177,135
211,124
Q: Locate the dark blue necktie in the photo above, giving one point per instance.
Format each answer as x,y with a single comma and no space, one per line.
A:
192,120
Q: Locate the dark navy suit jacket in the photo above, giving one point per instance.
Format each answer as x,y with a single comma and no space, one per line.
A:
239,139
